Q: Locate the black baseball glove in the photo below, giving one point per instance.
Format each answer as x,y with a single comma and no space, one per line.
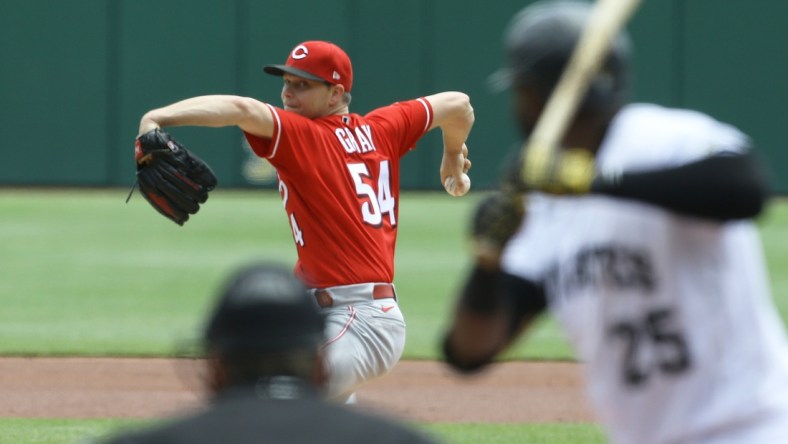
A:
172,179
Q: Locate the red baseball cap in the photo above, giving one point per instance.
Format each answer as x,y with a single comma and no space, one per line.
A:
317,60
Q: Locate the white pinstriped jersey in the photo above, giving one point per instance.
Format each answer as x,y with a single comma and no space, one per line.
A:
673,316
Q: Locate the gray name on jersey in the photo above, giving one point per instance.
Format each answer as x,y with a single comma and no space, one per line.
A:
610,267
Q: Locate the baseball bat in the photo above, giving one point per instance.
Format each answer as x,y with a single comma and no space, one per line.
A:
607,18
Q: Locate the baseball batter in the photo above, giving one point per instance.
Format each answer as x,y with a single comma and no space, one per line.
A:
655,273
339,176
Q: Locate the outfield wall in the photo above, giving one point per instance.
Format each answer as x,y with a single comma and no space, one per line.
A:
75,76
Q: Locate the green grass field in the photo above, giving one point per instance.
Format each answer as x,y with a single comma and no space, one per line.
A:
72,431
83,273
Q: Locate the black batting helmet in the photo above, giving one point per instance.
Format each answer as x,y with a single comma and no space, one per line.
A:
263,309
539,41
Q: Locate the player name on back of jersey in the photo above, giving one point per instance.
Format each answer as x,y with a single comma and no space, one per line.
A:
610,266
356,140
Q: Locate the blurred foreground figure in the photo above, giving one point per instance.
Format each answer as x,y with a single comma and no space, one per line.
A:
266,374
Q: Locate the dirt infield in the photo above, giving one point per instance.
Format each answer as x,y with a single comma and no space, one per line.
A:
415,390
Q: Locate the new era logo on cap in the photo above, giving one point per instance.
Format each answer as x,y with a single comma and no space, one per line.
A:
317,60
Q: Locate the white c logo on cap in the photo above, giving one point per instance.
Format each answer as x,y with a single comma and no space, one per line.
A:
300,52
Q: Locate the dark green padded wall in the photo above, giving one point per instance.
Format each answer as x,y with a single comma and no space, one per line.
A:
76,76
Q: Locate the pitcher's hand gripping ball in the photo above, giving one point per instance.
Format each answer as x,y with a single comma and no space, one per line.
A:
172,179
457,189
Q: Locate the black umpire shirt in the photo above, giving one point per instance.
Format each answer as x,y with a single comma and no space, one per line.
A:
279,411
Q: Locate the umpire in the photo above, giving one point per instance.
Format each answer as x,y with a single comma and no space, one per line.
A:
266,373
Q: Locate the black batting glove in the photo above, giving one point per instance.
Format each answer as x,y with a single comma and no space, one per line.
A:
496,219
561,172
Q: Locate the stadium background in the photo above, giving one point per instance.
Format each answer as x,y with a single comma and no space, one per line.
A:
76,76
81,274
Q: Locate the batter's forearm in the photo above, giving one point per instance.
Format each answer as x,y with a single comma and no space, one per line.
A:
490,313
720,187
494,308
474,340
478,330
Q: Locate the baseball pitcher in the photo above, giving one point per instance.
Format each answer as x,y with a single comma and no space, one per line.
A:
339,176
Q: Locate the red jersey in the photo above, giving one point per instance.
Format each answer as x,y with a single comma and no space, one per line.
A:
339,181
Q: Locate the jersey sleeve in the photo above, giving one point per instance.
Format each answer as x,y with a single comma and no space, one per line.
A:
682,161
265,147
403,122
292,132
705,136
645,137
